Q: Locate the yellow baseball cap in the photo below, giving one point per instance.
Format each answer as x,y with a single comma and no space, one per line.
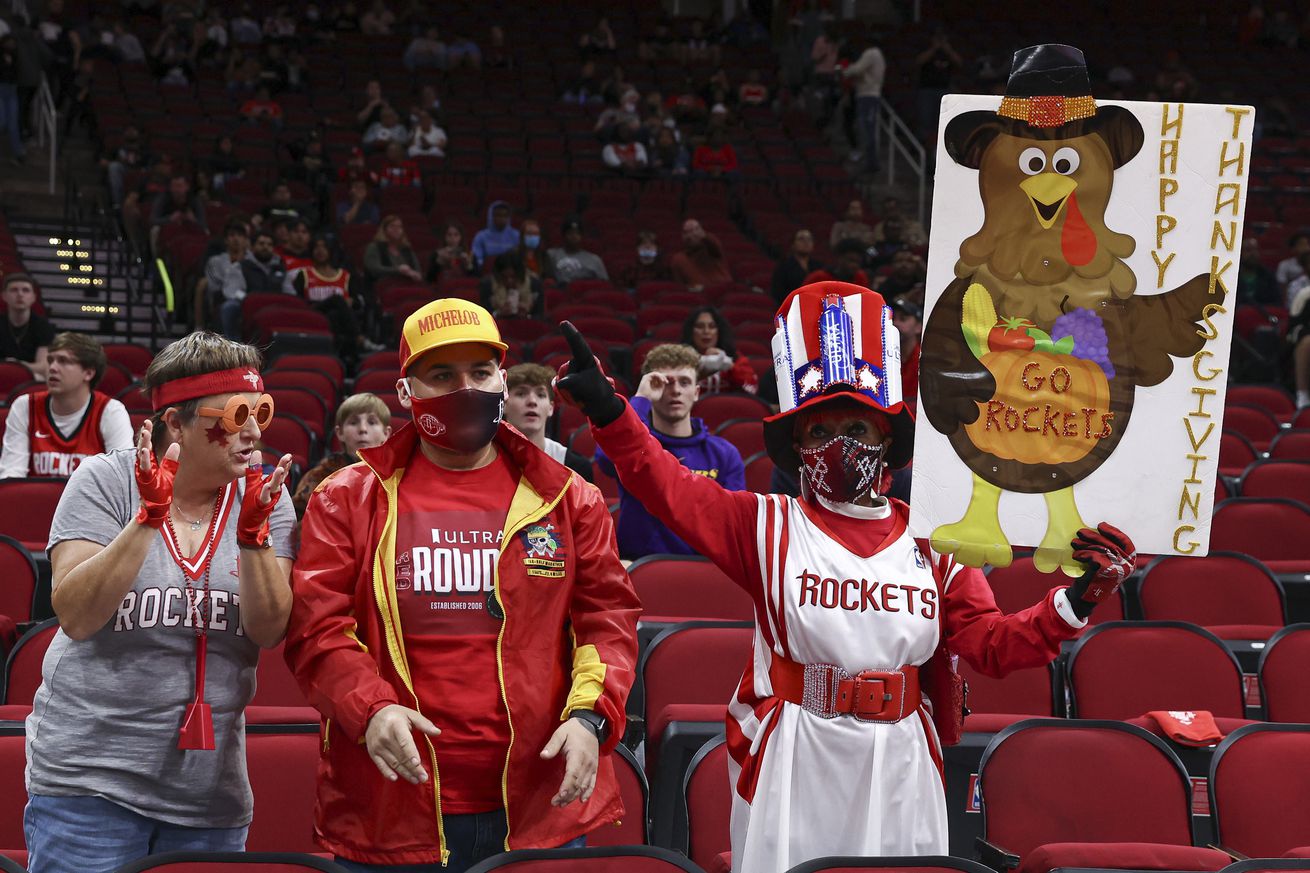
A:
446,322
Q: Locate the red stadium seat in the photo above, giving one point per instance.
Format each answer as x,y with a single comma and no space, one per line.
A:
286,433
1291,445
283,764
1282,478
278,698
1236,453
1123,670
27,507
306,405
682,588
615,302
1301,421
995,704
601,859
384,359
381,381
920,864
1257,776
583,442
19,573
635,791
1230,594
717,409
1253,422
657,291
1132,810
746,435
1021,584
135,357
23,666
1273,530
1282,674
328,365
315,381
13,790
651,314
1273,398
759,473
231,862
575,309
270,322
707,798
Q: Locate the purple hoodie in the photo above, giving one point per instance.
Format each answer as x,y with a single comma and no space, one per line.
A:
639,532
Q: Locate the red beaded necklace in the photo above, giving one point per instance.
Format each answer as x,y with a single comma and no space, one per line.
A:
197,730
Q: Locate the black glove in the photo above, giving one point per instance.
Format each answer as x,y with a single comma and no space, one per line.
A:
583,383
1110,557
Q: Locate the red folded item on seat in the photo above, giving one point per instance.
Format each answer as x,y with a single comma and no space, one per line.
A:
1188,728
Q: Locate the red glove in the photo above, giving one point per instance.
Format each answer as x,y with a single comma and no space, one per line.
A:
1110,558
156,489
252,523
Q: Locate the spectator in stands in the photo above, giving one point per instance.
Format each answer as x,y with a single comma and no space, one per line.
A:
387,129
377,20
327,288
48,433
649,266
171,58
357,208
453,259
225,277
390,255
907,272
374,103
1255,284
296,252
907,316
598,41
264,271
823,57
701,262
529,406
664,400
427,140
130,154
509,291
698,47
753,92
1289,268
616,86
585,88
357,168
848,267
178,205
499,55
425,52
363,421
715,158
398,170
463,51
721,368
531,249
111,777
27,336
561,596
623,110
243,75
223,163
280,206
345,18
911,232
668,157
851,226
791,271
936,65
570,261
626,155
427,102
868,72
686,103
497,237
658,44
262,108
1299,335
127,47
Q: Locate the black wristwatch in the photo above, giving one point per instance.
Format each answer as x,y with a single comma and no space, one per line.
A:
594,720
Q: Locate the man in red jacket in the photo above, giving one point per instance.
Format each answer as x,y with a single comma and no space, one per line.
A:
461,588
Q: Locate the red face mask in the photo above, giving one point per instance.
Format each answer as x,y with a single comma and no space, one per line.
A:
843,469
462,421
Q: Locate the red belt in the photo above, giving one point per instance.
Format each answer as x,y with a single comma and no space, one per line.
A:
828,691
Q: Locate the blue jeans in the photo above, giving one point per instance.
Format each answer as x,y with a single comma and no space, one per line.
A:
93,835
469,839
866,116
10,119
229,314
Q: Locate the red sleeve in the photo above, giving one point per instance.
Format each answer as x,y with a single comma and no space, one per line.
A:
717,523
333,667
698,159
742,376
992,642
729,158
603,614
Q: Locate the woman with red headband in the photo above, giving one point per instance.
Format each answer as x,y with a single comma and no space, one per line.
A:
835,731
169,575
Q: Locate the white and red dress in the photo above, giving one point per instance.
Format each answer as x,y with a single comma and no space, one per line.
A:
843,585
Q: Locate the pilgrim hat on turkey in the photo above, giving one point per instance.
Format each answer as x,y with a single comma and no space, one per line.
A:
1048,96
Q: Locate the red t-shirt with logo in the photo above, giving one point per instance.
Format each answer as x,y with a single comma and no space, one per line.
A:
448,540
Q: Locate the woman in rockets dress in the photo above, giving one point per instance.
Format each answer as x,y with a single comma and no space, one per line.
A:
832,741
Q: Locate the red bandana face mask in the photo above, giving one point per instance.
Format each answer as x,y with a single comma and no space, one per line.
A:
462,421
842,469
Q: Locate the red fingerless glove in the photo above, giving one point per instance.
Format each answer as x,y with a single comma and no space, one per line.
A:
1110,558
252,523
155,487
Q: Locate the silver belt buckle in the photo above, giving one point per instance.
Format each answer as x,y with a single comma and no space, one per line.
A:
821,689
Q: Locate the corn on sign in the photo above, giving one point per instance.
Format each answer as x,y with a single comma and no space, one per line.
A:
1079,301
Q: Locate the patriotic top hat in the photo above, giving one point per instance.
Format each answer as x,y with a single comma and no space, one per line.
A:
835,339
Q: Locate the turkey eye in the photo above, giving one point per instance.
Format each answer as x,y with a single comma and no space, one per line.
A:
1065,162
1032,161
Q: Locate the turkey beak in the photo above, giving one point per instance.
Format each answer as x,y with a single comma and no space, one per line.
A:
1048,193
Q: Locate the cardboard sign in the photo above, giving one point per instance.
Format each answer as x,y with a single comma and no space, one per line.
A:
1079,312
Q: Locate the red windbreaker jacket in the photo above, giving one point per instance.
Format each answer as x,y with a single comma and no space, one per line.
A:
568,641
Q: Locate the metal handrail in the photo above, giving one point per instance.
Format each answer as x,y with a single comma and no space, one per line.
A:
45,120
893,130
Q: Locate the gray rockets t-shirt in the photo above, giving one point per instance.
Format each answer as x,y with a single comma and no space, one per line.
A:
106,717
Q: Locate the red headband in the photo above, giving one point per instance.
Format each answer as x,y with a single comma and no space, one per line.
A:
236,381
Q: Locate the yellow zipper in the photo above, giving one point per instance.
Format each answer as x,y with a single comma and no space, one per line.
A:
510,530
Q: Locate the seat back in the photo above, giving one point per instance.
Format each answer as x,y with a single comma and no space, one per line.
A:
306,405
1272,398
1235,453
1277,478
313,381
759,473
1021,692
920,864
1222,588
13,788
275,685
328,365
1256,424
1282,673
693,662
635,791
688,587
1260,789
1137,791
746,434
708,794
1291,445
287,433
27,507
601,859
231,862
1267,529
1021,584
23,666
18,570
283,765
719,408
1125,669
